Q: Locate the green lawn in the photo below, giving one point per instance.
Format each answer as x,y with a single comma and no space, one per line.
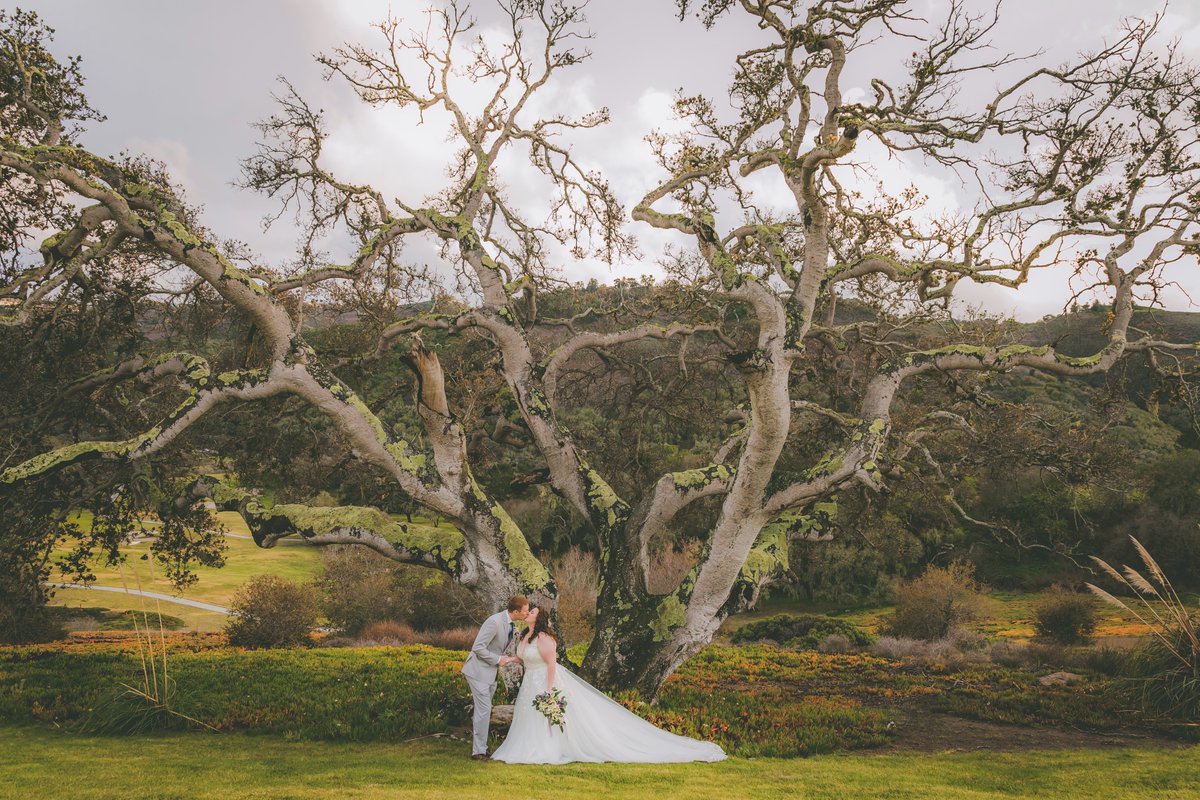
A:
195,619
43,763
291,559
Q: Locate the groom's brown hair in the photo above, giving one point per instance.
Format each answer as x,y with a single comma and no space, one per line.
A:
517,602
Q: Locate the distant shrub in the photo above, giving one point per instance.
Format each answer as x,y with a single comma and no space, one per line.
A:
1105,660
1065,617
897,647
956,649
941,600
669,563
963,639
359,587
390,633
577,576
387,632
802,631
435,603
270,611
1007,654
836,643
453,639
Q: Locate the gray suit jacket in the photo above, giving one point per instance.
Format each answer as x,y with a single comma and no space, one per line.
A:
489,645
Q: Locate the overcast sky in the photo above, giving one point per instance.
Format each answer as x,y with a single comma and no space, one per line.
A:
183,81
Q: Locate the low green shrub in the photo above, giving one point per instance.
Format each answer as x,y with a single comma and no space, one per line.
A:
270,611
941,600
1065,617
801,631
1105,660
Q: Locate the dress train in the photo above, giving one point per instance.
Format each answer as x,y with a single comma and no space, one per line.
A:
597,727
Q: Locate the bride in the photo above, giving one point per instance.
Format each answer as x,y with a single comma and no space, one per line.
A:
597,728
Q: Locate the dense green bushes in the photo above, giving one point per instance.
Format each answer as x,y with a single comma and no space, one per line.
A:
806,631
362,695
391,694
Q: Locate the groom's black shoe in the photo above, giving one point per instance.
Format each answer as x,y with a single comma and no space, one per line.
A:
481,757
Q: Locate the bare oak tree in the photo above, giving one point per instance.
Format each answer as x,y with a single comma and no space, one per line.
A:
1091,162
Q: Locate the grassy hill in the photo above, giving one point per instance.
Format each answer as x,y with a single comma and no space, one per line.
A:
291,558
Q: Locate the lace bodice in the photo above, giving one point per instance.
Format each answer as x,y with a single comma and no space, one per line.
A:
531,658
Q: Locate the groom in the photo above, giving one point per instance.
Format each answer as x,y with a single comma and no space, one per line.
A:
494,636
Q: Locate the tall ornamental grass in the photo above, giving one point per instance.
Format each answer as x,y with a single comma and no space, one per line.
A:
1165,672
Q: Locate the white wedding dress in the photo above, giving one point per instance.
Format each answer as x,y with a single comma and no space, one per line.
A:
597,727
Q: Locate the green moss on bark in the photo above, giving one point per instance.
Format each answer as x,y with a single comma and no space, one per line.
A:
608,509
44,462
518,558
830,463
670,615
702,476
770,551
444,544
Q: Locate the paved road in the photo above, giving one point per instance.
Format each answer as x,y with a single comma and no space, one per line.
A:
159,596
156,595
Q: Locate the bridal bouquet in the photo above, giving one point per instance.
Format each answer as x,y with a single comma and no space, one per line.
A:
553,706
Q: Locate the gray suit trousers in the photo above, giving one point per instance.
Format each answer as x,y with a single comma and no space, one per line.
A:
481,720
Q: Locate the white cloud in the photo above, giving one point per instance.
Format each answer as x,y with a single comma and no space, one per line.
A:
172,152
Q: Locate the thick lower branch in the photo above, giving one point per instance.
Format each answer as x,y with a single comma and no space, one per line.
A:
443,547
242,385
